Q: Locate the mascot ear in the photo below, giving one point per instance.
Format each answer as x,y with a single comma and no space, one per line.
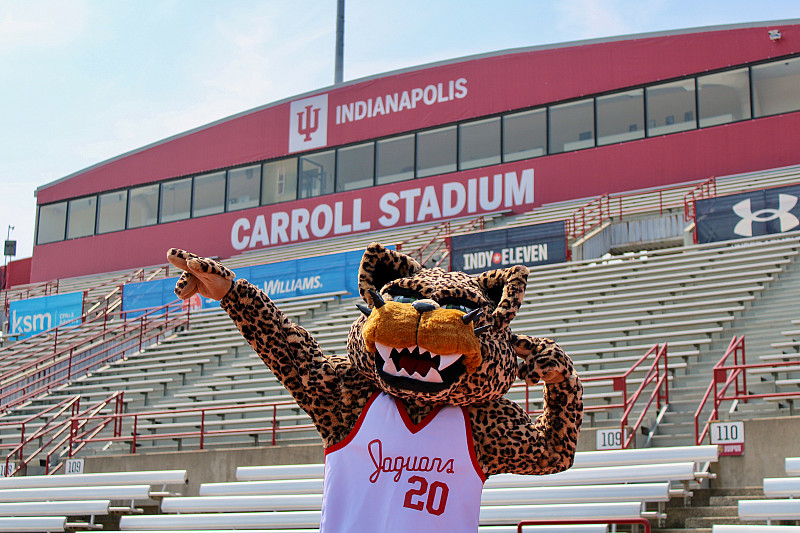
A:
506,289
381,265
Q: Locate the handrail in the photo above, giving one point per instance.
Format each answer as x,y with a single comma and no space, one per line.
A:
77,441
720,375
601,208
43,337
706,189
106,298
81,357
589,216
70,403
620,384
725,375
441,232
54,351
653,374
57,430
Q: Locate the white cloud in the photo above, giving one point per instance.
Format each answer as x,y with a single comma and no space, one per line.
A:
41,23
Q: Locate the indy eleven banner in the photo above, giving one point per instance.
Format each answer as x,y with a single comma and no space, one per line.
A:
536,244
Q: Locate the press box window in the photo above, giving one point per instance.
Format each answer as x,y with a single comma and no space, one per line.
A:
317,174
80,222
436,152
525,135
176,200
279,181
670,108
620,117
775,87
724,97
209,194
52,223
143,206
395,159
479,144
572,126
244,187
111,211
355,167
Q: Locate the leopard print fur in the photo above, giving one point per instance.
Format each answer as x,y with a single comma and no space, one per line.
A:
334,390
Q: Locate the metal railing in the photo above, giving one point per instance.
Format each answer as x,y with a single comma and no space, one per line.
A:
654,376
57,435
68,436
720,381
437,241
43,373
706,189
726,375
589,216
127,427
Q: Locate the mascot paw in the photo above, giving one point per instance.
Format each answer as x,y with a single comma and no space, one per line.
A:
200,275
543,360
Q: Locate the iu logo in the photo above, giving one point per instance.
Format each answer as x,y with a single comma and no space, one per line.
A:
787,220
308,123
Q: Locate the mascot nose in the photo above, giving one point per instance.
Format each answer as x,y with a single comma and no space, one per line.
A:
423,306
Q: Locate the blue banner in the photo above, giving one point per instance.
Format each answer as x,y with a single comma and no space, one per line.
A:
750,214
34,315
286,279
537,244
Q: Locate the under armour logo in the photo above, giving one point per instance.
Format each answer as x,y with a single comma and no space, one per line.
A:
308,123
787,220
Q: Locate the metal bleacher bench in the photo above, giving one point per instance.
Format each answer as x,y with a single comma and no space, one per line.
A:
740,528
493,515
146,477
792,466
788,509
21,524
602,486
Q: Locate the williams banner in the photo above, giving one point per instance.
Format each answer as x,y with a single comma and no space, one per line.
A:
750,214
537,244
286,279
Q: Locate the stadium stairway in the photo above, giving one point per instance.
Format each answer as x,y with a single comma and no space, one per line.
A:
759,323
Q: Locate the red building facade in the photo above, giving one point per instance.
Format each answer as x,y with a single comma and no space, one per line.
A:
499,132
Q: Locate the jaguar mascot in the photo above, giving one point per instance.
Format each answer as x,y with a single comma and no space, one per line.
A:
413,418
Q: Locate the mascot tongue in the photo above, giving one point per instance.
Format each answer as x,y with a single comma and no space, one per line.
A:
412,364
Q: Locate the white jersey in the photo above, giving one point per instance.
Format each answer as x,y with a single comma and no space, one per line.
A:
393,476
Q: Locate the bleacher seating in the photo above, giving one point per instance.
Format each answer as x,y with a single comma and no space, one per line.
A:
606,313
634,484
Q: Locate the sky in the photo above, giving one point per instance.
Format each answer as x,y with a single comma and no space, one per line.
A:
82,81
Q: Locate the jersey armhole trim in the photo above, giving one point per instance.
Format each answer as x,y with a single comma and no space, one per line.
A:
471,445
350,436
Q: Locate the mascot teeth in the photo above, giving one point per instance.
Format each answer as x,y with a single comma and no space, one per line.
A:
415,362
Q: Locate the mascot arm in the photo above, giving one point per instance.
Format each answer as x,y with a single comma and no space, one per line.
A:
506,438
323,386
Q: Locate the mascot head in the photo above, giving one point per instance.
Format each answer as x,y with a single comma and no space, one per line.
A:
432,336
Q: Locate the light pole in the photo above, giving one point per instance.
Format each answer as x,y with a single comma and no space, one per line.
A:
10,247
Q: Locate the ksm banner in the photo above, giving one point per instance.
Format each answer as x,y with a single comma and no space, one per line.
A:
34,315
537,244
286,279
749,214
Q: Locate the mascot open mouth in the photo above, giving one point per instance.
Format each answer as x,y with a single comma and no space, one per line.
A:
417,369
